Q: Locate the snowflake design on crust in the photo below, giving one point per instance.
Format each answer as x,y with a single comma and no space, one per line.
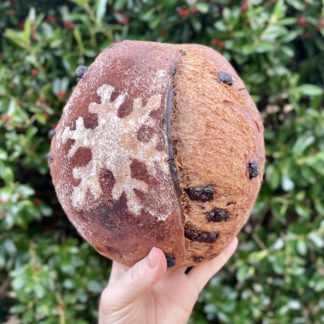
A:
113,143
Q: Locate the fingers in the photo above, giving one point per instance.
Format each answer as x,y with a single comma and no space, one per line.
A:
117,271
135,281
201,274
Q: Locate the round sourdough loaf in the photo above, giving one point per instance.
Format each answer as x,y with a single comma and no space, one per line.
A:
159,145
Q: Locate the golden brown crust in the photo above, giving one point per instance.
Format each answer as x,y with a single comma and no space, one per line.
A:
146,123
215,138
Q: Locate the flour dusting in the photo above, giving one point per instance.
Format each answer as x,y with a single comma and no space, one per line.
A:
114,145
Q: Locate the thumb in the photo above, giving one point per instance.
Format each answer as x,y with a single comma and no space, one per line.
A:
135,281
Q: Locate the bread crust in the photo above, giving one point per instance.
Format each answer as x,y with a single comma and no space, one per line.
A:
133,139
217,132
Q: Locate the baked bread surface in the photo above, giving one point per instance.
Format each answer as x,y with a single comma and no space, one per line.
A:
158,145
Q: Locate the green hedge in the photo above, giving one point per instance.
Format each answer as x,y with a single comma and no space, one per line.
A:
47,273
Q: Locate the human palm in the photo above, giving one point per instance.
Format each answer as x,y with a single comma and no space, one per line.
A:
147,293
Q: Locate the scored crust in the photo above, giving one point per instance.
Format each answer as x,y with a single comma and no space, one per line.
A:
155,148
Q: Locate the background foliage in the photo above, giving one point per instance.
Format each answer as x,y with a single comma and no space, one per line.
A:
47,273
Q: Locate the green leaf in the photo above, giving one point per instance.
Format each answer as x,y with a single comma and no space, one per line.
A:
317,239
26,190
319,206
81,3
291,36
155,22
94,286
319,286
227,14
278,11
78,38
39,291
294,304
245,272
288,51
68,284
220,25
7,175
10,247
27,31
257,256
297,4
302,210
263,47
16,37
202,7
3,154
46,211
118,4
101,9
310,90
287,183
273,32
302,247
303,143
32,14
18,283
272,177
147,16
196,24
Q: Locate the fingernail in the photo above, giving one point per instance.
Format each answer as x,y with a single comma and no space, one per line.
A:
152,258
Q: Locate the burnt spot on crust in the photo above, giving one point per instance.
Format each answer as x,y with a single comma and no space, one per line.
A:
51,133
183,53
218,215
199,236
200,193
145,133
80,71
225,78
170,260
253,169
197,259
